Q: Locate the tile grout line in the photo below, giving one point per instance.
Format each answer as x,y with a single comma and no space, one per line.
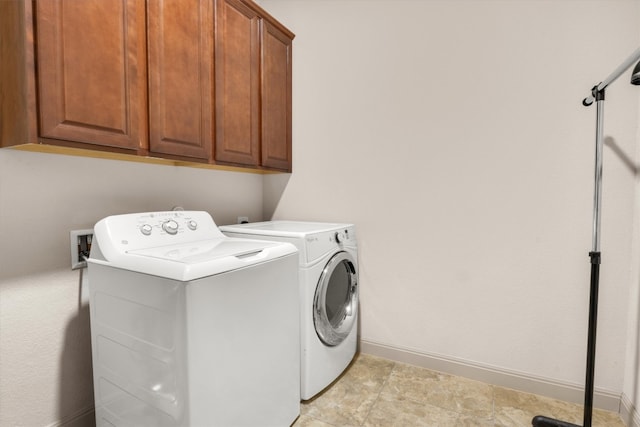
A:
494,418
384,383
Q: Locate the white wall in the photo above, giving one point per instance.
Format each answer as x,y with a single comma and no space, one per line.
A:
631,397
452,134
45,349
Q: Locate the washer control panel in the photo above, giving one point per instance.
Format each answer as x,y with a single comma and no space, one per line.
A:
160,222
144,230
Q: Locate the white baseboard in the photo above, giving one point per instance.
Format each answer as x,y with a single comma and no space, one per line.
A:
603,399
628,412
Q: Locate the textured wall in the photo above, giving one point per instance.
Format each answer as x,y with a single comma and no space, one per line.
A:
45,348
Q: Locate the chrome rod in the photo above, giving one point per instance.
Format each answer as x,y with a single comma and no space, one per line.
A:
597,191
635,57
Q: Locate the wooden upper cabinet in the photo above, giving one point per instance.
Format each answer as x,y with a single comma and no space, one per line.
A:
180,34
253,87
194,80
237,83
276,98
91,63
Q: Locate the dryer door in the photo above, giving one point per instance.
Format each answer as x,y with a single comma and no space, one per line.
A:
335,305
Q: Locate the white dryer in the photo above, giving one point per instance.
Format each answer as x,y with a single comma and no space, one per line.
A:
328,294
190,327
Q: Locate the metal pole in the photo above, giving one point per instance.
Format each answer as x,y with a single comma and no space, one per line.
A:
542,421
597,190
595,265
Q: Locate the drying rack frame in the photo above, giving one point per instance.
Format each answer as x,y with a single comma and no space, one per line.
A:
597,95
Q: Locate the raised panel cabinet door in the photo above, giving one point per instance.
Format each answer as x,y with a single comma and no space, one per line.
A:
237,83
180,77
91,57
276,98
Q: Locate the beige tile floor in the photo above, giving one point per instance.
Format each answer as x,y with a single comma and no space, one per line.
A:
379,392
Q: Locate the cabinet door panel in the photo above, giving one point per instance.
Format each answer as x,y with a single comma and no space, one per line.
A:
237,83
276,98
180,77
92,71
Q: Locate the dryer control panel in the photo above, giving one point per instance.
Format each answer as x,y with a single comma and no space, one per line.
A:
318,244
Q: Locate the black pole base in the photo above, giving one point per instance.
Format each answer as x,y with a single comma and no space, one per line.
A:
540,421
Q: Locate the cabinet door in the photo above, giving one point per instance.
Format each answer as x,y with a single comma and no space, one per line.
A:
276,98
180,77
91,58
237,83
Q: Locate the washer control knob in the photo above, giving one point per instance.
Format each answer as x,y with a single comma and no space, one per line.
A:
192,224
339,237
146,229
171,226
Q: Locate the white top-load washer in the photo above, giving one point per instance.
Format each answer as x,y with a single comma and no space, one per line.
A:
190,327
328,293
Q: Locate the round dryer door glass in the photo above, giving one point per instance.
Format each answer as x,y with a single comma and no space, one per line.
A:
335,304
